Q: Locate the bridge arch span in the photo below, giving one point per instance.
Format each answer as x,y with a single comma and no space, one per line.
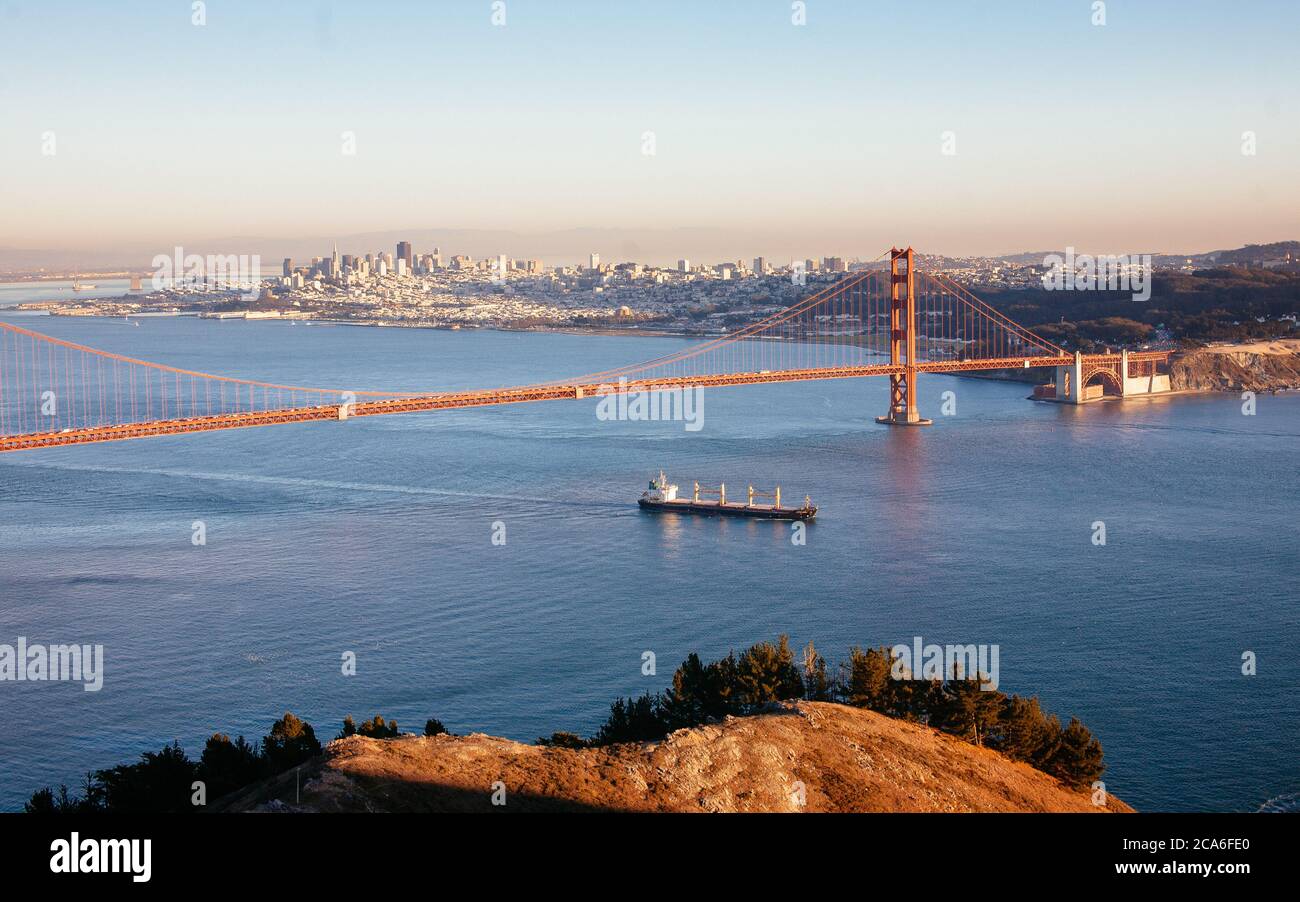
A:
1106,377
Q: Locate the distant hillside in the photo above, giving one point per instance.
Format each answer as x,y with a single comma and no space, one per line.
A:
1223,304
1249,255
1257,254
847,759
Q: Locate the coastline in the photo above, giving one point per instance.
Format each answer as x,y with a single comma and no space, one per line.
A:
1271,366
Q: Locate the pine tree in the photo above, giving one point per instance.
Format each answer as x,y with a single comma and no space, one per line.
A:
1078,760
966,709
159,783
377,728
1025,733
687,702
290,742
633,720
226,766
767,673
868,683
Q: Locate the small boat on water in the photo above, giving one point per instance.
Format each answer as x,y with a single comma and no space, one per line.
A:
662,496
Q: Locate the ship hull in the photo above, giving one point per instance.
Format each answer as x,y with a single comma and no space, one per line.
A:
713,509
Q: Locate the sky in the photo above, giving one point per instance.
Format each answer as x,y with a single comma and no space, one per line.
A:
767,136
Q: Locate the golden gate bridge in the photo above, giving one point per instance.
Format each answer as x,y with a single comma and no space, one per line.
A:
895,323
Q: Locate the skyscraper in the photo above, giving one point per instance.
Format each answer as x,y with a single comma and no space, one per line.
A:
288,267
595,261
760,266
683,265
404,252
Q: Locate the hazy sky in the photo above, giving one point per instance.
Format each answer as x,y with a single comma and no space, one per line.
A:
820,138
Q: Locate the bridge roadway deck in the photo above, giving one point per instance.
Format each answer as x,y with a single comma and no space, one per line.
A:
518,395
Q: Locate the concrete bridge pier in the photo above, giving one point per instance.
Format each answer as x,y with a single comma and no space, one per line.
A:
1074,381
1146,382
1069,380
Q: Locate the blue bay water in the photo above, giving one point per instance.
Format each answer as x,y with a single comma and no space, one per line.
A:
15,293
374,536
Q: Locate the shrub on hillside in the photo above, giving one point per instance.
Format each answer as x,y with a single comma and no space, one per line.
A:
766,672
375,728
226,766
163,781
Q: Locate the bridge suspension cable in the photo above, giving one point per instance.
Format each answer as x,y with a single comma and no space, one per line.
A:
55,392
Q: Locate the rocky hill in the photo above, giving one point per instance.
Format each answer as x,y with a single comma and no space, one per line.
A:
843,759
1259,366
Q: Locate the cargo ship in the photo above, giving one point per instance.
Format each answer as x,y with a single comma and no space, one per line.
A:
662,496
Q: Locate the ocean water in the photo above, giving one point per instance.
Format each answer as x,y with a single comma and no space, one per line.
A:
374,536
15,293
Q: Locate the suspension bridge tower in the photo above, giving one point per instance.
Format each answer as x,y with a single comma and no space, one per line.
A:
902,342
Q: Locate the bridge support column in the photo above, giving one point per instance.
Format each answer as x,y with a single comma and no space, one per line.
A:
1069,381
902,342
1147,381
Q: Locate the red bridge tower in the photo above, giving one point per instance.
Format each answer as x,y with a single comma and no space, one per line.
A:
902,342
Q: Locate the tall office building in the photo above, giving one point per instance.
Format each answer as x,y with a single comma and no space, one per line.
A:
404,252
595,261
760,266
288,267
683,265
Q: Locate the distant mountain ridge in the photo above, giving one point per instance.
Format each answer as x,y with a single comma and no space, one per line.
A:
1247,255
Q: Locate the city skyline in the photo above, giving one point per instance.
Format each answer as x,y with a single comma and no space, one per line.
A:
713,133
567,249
